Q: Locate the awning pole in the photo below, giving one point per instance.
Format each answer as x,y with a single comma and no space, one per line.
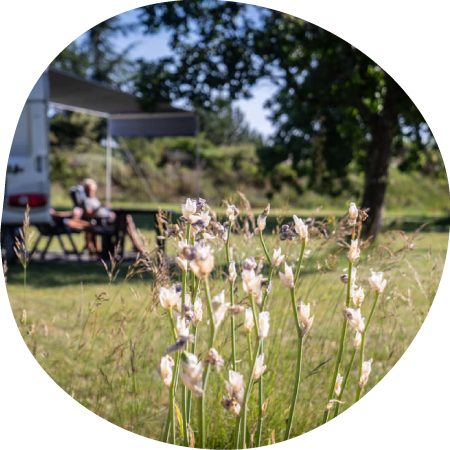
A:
197,156
108,163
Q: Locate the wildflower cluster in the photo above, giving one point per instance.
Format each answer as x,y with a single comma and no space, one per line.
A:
242,299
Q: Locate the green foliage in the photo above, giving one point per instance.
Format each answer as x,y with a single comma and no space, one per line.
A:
95,54
333,107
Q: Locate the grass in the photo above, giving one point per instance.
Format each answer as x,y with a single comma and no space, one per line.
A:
101,342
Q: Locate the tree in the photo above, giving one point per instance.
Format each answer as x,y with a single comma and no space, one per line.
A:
333,106
225,124
94,55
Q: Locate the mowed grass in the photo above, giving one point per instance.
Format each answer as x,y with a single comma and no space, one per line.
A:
102,342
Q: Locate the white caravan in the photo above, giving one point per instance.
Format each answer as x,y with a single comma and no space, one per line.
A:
28,177
27,174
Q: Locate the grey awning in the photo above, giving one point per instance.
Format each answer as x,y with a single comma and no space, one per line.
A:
74,93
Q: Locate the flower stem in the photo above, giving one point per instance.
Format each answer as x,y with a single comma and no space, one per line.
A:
298,366
248,390
264,247
194,349
233,337
298,371
341,346
359,391
299,265
249,342
202,427
344,383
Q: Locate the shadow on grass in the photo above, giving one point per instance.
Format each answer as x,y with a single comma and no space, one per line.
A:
45,275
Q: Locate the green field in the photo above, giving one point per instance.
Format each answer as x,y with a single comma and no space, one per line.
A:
101,342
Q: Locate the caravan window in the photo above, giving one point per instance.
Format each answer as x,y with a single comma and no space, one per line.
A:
20,145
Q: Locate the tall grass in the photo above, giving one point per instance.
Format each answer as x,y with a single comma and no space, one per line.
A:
103,344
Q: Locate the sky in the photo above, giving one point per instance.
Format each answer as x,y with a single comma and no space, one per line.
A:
155,46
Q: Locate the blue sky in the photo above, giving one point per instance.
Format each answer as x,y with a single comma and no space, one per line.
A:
151,47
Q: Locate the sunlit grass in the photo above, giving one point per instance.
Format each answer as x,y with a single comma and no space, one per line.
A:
97,339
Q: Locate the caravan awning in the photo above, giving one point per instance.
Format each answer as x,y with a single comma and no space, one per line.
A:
127,119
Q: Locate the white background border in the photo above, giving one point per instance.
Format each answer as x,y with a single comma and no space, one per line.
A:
409,408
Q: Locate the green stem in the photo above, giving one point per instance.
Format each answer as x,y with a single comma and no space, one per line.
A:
24,283
341,346
299,265
233,337
260,408
361,360
255,317
264,248
247,395
298,371
194,350
202,427
294,310
237,432
249,342
168,427
344,383
363,338
266,295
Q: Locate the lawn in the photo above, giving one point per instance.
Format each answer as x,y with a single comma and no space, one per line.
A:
101,342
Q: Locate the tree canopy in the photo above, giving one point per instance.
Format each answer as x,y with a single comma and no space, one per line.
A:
333,106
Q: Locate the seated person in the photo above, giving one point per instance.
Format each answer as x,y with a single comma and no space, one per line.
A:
83,216
92,207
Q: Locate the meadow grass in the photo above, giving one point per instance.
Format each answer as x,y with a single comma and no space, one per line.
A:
102,342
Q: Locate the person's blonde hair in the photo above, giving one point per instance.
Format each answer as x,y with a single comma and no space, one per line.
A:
90,182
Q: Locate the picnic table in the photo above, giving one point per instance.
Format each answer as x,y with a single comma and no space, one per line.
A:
113,235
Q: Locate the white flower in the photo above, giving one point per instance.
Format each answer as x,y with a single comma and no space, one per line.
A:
182,327
182,263
169,297
203,261
277,257
353,213
232,272
200,220
236,309
230,404
358,297
166,366
198,312
301,228
249,263
304,319
287,278
191,373
235,387
259,368
366,369
357,341
355,319
219,308
337,386
249,323
376,282
250,281
232,212
353,254
263,324
189,208
214,358
261,221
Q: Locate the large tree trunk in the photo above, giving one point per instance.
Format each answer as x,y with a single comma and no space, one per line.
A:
383,129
